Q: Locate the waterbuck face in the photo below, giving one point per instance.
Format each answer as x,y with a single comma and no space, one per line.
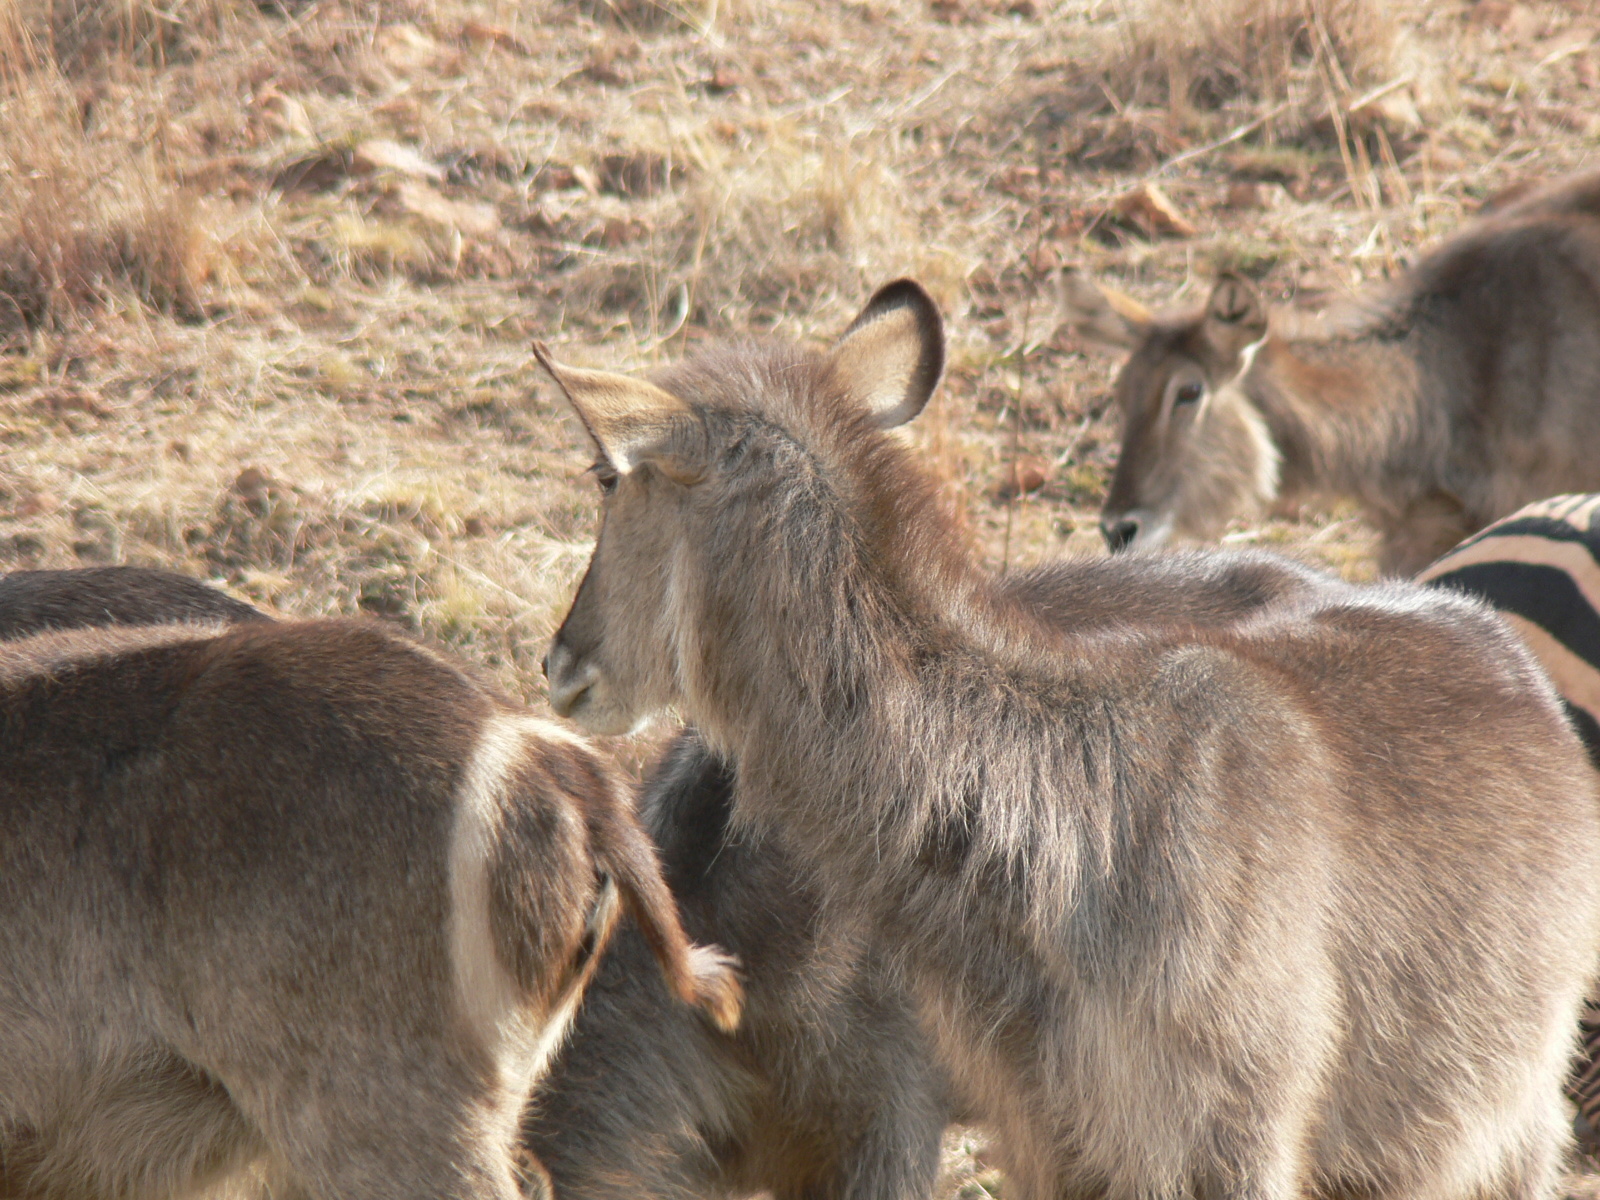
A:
1195,452
671,466
608,665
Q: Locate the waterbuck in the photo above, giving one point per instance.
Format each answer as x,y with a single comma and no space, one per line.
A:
100,597
1299,903
297,897
1444,401
827,1091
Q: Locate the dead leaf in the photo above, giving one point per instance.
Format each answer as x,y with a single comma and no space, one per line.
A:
1268,197
468,217
1521,24
1026,474
380,154
497,35
1148,210
318,173
284,112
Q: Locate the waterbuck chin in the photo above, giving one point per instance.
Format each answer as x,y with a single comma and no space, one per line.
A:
1299,903
1437,404
301,898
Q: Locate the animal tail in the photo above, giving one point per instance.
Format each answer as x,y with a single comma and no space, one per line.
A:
704,976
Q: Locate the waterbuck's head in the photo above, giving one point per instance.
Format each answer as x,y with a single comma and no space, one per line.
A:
702,470
1195,450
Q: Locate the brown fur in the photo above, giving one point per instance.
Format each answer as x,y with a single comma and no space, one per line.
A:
1297,898
828,1091
1440,404
317,901
98,597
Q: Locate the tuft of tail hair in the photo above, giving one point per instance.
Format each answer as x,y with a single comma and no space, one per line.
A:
705,976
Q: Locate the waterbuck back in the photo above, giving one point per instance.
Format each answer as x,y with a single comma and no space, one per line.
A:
1297,900
1540,568
1437,404
297,896
100,597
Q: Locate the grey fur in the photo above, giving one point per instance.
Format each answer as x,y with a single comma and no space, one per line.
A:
1302,899
826,1092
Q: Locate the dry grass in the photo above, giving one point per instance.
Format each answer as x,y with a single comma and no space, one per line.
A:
270,269
1211,53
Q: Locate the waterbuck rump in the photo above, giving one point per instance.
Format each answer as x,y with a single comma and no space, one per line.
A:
1298,901
301,898
1438,403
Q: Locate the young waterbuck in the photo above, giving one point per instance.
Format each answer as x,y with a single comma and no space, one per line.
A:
297,897
1437,404
1299,903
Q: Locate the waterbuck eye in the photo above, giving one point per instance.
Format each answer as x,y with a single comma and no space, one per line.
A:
1188,393
606,476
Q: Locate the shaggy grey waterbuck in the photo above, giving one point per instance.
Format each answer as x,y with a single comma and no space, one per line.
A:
1466,389
1297,904
296,896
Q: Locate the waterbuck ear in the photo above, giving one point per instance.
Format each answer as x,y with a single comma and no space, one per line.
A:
1100,315
629,420
892,355
1235,316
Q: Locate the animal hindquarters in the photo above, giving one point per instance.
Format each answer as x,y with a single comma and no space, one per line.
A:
230,878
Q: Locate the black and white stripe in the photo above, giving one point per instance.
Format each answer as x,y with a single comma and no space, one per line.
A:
1540,567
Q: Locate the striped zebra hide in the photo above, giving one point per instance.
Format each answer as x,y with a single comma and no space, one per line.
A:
1539,568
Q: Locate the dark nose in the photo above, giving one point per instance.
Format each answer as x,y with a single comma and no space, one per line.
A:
544,665
1119,533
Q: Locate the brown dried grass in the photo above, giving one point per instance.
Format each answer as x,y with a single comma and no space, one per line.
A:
1203,54
85,220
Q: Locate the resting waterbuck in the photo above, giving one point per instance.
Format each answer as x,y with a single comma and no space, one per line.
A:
1437,404
101,597
301,897
1296,903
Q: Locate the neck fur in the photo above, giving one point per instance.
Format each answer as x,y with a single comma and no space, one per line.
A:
1336,407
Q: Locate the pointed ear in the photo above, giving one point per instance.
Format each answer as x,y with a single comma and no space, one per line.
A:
1099,315
629,420
1235,316
892,355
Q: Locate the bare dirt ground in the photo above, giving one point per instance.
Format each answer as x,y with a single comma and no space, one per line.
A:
269,270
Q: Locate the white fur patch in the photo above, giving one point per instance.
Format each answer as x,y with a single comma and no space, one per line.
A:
1269,461
485,989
